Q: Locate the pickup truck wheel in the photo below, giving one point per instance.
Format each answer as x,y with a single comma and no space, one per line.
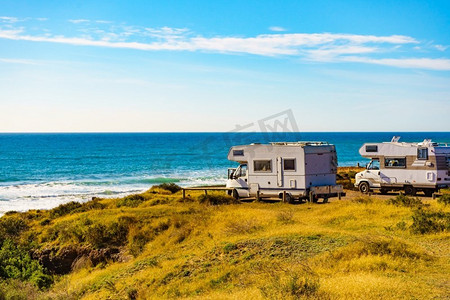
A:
410,190
364,187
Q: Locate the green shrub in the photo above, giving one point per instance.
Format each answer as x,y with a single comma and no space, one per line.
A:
11,227
131,200
93,204
217,199
402,200
16,263
65,209
172,187
444,199
137,239
352,174
427,221
102,236
229,247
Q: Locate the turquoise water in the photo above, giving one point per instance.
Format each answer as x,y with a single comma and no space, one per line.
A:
45,170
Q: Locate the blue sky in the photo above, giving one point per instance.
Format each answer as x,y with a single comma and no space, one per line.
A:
127,66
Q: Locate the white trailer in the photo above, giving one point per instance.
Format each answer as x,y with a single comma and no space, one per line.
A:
298,170
411,167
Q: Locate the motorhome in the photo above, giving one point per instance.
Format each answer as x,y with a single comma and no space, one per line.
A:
410,167
297,170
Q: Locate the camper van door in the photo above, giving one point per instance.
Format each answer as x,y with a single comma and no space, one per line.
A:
280,171
373,172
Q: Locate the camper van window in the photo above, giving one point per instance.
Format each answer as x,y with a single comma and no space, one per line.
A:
238,152
422,153
397,162
289,164
262,165
371,148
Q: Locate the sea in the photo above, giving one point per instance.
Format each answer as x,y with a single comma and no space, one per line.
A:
44,170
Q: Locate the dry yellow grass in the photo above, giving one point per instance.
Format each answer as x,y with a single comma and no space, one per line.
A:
348,249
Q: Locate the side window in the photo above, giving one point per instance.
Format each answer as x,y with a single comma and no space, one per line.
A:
395,162
422,153
371,148
262,165
238,152
289,164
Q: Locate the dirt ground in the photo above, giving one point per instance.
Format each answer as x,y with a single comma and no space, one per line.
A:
354,194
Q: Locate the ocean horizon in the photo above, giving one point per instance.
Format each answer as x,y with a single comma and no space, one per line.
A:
44,170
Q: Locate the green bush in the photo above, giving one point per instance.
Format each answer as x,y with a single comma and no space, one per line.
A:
65,209
11,227
427,221
172,187
444,199
217,199
93,204
131,200
16,263
402,200
102,236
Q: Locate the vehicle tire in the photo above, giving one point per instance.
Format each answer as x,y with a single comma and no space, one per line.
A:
410,190
235,194
289,198
383,191
428,192
364,187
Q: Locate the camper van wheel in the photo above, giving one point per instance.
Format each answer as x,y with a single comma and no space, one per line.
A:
289,198
410,190
364,187
428,192
235,194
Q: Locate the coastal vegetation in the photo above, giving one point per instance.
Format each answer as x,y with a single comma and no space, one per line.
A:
158,245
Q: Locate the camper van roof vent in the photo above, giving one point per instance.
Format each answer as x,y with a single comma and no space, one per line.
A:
395,139
300,143
427,142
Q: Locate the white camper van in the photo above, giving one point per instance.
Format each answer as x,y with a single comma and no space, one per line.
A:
410,167
299,170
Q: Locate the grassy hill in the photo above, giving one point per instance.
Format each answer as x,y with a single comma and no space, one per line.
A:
156,245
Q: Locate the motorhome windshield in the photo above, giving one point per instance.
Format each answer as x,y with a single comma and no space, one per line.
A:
241,171
374,165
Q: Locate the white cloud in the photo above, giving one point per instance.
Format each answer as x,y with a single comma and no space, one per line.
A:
78,21
321,47
441,47
9,19
277,28
440,64
18,61
103,22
